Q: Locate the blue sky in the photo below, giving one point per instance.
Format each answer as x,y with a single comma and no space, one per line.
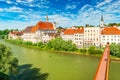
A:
66,13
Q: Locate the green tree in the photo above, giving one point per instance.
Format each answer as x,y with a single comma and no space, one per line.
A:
8,64
115,49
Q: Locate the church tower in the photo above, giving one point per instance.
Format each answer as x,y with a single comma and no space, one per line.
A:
102,22
46,18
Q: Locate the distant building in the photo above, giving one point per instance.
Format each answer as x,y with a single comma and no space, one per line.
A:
44,31
111,35
28,35
15,35
92,36
68,34
76,35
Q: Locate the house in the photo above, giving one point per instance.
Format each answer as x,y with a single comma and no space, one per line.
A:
76,35
91,36
15,35
111,35
79,37
44,31
28,35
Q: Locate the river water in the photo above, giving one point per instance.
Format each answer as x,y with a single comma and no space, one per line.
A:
62,66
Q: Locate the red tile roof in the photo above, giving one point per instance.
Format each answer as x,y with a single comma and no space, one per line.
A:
79,30
110,31
28,29
43,26
73,31
16,33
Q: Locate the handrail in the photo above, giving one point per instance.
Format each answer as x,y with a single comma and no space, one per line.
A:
103,67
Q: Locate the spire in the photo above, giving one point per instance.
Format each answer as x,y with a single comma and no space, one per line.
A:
102,18
46,18
102,21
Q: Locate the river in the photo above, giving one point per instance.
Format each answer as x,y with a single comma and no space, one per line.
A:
62,66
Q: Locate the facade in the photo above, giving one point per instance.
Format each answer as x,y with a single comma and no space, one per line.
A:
79,37
68,34
76,35
44,31
15,35
91,36
28,35
111,35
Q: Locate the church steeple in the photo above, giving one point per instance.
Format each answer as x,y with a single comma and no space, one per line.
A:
102,18
102,22
46,18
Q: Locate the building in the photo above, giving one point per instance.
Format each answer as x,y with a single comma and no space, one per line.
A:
44,31
91,36
76,35
28,35
68,34
111,35
15,35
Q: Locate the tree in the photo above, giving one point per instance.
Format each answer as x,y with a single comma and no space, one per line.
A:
115,49
8,64
4,76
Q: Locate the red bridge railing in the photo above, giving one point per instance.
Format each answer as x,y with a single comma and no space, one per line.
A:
103,67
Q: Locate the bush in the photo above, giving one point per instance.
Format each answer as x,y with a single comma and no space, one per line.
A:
83,50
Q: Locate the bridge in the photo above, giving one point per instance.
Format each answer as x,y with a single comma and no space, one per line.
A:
103,67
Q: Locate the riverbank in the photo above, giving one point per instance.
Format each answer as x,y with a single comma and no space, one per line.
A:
65,52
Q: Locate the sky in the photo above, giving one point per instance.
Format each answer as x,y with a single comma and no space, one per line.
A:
18,14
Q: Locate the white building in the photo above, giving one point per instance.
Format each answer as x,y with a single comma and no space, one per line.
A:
42,31
68,34
76,35
92,36
28,35
111,35
79,37
15,35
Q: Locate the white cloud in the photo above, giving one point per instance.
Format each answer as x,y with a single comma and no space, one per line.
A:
104,2
71,6
19,1
30,0
15,25
12,9
9,2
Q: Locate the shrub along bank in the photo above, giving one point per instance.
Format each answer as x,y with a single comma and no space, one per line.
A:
58,44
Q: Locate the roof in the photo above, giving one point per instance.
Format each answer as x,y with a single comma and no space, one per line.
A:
16,33
110,31
43,26
79,30
28,29
73,31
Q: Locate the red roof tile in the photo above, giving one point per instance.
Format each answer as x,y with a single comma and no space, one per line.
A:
16,33
110,31
43,26
73,31
79,30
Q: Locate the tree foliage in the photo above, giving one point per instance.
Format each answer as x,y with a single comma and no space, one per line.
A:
94,50
115,49
8,63
60,45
